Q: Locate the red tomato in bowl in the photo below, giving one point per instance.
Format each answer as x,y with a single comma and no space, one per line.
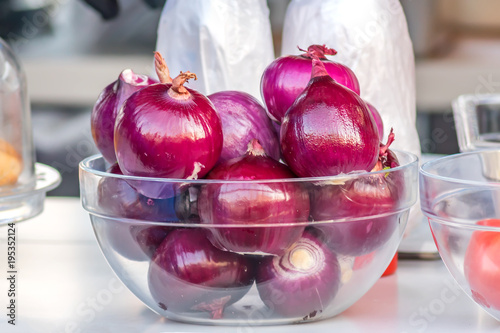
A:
482,265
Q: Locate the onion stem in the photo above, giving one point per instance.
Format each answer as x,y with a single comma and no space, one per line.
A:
320,51
384,148
178,90
318,68
255,148
162,69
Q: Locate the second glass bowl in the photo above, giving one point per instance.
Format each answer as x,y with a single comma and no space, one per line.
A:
460,195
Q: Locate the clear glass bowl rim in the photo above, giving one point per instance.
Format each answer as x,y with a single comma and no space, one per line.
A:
431,164
463,225
479,184
413,160
412,163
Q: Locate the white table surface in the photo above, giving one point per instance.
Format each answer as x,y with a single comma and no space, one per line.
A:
65,285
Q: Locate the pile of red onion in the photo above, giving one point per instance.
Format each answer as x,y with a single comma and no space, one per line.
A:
254,220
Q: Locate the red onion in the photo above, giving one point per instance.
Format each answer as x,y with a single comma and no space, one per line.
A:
246,204
303,281
108,103
378,120
167,130
149,237
328,130
117,199
358,237
244,118
134,242
188,273
359,200
286,77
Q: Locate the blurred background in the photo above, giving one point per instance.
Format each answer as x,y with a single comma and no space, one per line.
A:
70,52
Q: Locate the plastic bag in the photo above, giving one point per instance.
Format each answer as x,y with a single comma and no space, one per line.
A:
226,43
371,37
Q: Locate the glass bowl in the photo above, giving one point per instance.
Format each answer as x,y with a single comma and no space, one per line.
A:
460,196
249,252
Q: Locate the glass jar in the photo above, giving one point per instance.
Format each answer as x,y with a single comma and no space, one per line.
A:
17,155
23,182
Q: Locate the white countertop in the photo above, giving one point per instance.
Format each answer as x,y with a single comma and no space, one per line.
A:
65,285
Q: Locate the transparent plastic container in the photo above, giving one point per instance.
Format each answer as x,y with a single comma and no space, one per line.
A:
338,242
23,182
477,121
462,203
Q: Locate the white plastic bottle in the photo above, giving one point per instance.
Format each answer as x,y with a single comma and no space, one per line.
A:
226,43
371,37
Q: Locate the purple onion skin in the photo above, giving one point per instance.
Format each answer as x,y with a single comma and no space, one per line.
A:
328,131
160,136
378,120
286,77
244,118
357,198
188,273
253,203
302,282
108,103
135,242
